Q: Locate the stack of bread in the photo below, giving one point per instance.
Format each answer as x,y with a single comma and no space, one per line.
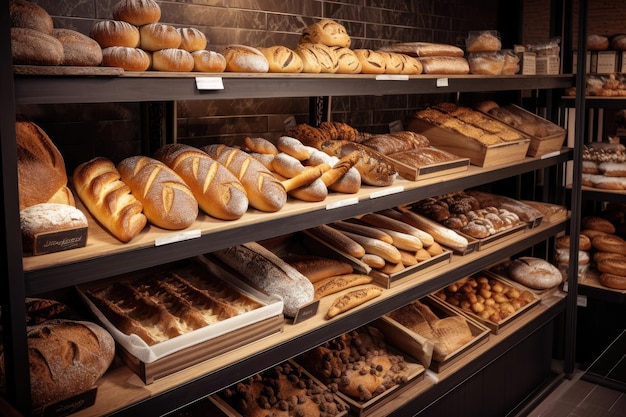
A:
434,58
35,40
485,55
604,166
608,251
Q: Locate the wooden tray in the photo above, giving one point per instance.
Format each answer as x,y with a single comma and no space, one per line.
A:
415,173
504,235
411,343
478,154
500,271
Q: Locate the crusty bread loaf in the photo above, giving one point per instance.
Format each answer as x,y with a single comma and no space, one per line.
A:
32,47
353,299
172,60
282,59
243,58
338,240
335,284
439,233
348,62
47,218
78,49
372,62
417,49
264,191
167,200
115,33
28,14
535,273
327,32
155,36
444,65
129,59
97,182
323,54
483,41
378,247
208,61
219,193
37,159
394,64
192,39
137,12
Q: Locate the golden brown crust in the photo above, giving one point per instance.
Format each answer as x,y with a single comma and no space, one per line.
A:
192,39
327,32
129,59
597,223
172,60
243,58
372,62
609,243
31,47
156,36
353,299
613,281
282,59
337,283
137,12
208,61
115,33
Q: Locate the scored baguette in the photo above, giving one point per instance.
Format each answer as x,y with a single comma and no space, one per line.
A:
383,249
387,222
306,177
440,233
332,285
338,240
353,299
362,229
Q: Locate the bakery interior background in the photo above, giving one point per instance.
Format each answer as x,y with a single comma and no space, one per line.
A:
114,130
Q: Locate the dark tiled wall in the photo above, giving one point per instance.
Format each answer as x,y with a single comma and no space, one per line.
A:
114,130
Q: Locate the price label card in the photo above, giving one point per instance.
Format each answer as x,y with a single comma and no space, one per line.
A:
392,77
177,237
387,191
442,82
209,83
342,203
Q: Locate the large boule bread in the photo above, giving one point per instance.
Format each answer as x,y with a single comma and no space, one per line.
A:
327,32
99,186
372,62
167,200
349,63
137,12
38,158
78,49
172,60
270,273
129,59
282,59
27,14
218,191
192,39
243,58
115,33
265,192
208,61
535,273
32,47
155,36
323,54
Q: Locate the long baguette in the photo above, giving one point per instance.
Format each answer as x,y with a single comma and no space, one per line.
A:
404,241
441,234
338,240
384,221
362,229
338,283
270,273
353,299
383,249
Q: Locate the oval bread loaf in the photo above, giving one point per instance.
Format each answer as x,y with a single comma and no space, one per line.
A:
339,283
243,58
282,59
167,200
338,240
192,39
353,299
317,268
129,59
31,47
327,32
535,273
28,14
156,36
78,49
387,222
383,249
137,12
173,60
115,33
441,234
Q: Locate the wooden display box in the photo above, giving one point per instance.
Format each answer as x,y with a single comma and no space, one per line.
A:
411,343
151,363
504,235
478,153
415,173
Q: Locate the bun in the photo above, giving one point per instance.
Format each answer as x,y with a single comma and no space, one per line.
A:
324,56
167,201
372,62
78,49
218,192
108,198
27,14
38,158
46,218
173,60
327,32
264,191
137,12
129,59
155,36
282,59
32,47
348,61
242,58
192,39
208,61
535,273
115,33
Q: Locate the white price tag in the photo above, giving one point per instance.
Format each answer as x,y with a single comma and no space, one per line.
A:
442,82
581,301
550,155
209,83
177,237
387,191
392,77
343,203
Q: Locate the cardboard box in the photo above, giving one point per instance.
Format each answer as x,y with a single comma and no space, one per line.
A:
604,62
575,62
528,63
548,65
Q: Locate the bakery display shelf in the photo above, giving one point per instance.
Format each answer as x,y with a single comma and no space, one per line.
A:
612,196
104,256
193,383
596,102
162,86
590,286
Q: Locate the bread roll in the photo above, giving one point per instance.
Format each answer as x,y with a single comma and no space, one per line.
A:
219,193
47,218
323,54
129,59
192,39
172,60
208,61
38,159
32,47
242,58
535,273
282,59
97,182
115,33
28,14
327,32
353,299
265,192
372,62
310,63
78,49
155,36
260,145
137,12
349,63
167,200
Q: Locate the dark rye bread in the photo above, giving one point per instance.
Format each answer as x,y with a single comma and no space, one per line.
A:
317,268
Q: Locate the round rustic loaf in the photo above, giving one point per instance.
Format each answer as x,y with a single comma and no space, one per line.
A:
282,59
32,47
115,33
348,61
46,218
323,54
129,59
327,32
137,12
242,58
192,39
208,61
535,273
27,14
394,64
173,60
155,36
78,49
373,62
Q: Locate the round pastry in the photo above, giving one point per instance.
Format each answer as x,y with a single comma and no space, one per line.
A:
137,12
129,59
373,62
208,61
192,39
535,273
327,32
323,54
348,61
28,14
616,282
563,242
115,33
172,60
282,59
48,217
155,36
78,49
242,58
597,223
609,243
32,47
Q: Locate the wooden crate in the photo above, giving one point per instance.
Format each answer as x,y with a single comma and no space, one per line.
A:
496,238
415,173
478,154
